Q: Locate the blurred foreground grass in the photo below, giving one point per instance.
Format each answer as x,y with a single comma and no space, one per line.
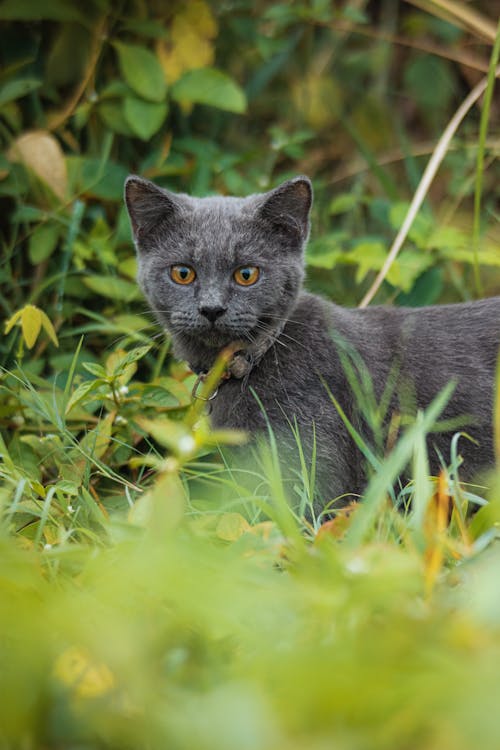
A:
191,635
203,614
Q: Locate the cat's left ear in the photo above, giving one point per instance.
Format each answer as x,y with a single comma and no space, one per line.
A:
148,205
288,206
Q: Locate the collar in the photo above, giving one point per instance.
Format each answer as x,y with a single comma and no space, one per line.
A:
239,359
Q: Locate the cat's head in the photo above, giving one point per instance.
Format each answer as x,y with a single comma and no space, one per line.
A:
217,270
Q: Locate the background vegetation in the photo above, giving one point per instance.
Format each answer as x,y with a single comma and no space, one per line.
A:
149,596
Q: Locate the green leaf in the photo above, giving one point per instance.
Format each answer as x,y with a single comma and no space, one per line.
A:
83,390
212,87
173,435
16,89
112,114
128,267
162,507
409,265
95,443
95,369
142,71
420,230
112,287
369,256
343,203
48,10
144,118
42,243
152,395
130,357
326,251
436,98
94,177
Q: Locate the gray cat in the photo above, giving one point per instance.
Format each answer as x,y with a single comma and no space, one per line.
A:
221,270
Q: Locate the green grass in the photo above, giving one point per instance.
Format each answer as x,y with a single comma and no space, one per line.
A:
207,611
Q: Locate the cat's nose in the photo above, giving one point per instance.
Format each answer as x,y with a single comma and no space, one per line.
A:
212,313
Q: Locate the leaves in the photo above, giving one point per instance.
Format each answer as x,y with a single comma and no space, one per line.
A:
43,242
210,86
112,287
189,45
231,526
31,324
32,320
161,508
80,393
41,153
142,71
32,10
18,88
144,118
84,676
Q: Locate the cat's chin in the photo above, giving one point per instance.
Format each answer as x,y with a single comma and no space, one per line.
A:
214,339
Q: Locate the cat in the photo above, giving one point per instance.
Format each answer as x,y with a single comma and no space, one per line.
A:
221,270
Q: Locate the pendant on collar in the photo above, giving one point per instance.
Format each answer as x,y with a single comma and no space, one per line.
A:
232,362
235,361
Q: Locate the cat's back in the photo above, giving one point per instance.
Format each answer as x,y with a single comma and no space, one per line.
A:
431,345
448,330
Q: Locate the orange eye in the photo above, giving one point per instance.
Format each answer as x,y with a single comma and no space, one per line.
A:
246,275
182,274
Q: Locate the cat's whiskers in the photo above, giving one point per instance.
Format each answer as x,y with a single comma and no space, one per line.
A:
267,329
284,319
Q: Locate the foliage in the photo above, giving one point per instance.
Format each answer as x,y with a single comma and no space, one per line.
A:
153,595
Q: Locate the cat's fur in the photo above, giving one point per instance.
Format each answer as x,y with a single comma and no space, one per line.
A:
428,347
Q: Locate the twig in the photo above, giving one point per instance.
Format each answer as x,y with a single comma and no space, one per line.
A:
424,184
467,59
59,117
460,15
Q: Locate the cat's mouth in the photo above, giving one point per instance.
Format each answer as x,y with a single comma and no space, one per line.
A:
216,335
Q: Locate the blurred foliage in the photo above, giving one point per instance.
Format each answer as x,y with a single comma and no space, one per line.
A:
152,597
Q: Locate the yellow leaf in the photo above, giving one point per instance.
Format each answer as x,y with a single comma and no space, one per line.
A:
49,329
41,153
31,323
190,44
170,433
231,526
199,15
318,99
11,322
162,507
76,669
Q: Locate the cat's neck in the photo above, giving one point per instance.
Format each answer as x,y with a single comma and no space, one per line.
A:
201,358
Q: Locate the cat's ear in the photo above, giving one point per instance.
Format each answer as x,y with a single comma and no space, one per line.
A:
148,205
288,206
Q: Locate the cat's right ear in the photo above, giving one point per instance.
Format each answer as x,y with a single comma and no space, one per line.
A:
147,204
288,206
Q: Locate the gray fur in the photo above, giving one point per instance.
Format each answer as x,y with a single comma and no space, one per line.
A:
427,346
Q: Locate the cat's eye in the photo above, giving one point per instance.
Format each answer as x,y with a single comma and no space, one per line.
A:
246,275
182,274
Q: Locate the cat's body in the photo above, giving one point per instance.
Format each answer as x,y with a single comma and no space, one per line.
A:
297,342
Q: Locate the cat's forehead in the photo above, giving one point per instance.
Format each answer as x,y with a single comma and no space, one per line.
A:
219,218
215,231
221,208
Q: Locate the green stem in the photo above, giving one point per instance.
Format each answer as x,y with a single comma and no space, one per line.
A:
483,131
